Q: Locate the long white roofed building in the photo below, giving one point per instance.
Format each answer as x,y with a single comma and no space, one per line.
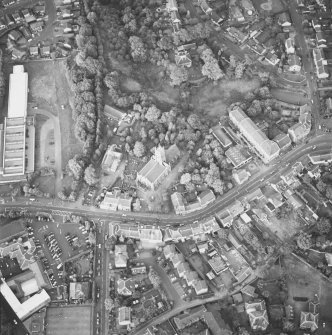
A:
266,149
17,133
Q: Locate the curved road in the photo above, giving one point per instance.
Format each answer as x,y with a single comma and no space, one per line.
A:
323,143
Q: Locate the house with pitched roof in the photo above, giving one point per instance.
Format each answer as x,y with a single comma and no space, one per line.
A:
294,62
257,313
125,287
309,320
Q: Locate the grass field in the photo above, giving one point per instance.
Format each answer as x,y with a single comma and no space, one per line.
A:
273,6
68,320
215,99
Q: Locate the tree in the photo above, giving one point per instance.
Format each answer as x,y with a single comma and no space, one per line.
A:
139,149
177,74
109,304
211,67
195,122
321,186
239,70
90,175
76,166
138,51
185,178
324,225
154,278
304,240
153,114
329,192
284,211
288,326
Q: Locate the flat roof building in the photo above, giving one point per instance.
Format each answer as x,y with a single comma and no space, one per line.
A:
29,306
221,136
17,153
124,316
265,148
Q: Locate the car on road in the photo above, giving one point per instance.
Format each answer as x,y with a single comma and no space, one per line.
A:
314,147
99,246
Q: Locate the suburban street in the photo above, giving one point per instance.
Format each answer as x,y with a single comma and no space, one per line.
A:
321,141
308,66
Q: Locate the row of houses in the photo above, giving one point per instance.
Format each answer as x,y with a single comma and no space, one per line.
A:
184,271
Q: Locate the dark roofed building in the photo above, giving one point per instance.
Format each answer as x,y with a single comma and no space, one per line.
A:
283,141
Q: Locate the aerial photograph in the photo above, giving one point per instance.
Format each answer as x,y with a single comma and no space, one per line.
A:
165,167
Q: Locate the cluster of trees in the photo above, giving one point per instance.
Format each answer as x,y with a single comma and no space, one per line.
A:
211,67
236,68
208,165
325,188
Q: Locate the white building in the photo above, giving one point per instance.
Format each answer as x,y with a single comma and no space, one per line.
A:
29,306
266,149
290,45
16,146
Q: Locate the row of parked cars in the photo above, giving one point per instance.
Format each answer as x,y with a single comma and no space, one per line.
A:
53,246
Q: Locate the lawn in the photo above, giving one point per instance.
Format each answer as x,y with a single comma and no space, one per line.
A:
214,99
49,90
69,320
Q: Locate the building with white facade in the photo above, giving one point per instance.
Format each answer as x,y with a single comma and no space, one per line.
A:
266,149
17,132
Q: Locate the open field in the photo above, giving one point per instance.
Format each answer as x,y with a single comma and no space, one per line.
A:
49,90
69,320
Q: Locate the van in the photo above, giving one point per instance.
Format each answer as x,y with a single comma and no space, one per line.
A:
59,266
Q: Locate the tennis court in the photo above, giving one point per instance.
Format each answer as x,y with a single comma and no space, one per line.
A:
74,320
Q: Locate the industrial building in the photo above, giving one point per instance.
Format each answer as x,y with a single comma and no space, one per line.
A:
266,149
17,133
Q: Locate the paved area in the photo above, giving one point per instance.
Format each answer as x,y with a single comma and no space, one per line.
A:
68,320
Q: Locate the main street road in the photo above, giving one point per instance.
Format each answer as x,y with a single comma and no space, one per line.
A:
307,63
323,142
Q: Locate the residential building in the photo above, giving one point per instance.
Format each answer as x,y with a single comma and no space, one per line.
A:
314,172
34,51
200,286
155,171
182,269
329,104
257,313
178,204
204,6
124,316
116,201
321,39
284,19
221,136
265,148
271,58
320,63
241,176
176,259
169,251
290,46
309,320
190,277
237,34
125,287
120,256
294,62
182,58
138,269
111,159
79,291
14,35
300,130
189,317
37,26
218,265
